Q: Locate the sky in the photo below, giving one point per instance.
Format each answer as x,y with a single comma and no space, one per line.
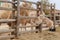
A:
57,2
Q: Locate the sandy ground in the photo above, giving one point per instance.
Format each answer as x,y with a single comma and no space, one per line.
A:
45,35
